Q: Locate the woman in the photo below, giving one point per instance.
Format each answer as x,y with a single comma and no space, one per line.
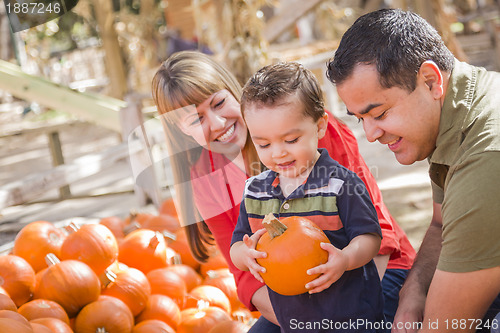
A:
212,155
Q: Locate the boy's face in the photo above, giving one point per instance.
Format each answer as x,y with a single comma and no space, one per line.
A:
285,138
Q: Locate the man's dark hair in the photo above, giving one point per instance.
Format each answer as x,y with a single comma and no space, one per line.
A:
397,42
274,83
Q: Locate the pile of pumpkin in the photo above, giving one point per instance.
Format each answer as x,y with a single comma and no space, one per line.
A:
97,278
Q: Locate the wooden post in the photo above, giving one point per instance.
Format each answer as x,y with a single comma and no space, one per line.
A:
147,33
433,12
5,43
58,159
113,59
132,121
245,52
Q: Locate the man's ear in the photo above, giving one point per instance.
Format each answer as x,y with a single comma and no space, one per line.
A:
430,74
322,125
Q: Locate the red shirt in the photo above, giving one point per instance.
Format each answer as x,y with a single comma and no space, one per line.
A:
218,190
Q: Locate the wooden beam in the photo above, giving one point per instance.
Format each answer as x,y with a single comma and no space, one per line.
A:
37,129
98,109
287,17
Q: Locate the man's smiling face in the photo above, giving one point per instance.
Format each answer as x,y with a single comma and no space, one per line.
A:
407,122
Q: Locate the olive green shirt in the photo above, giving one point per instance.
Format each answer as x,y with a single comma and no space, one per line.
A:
465,170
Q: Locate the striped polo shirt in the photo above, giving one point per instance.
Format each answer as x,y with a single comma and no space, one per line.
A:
338,202
333,197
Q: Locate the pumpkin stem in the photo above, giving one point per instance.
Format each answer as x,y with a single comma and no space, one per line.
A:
176,259
238,316
101,330
211,274
131,227
51,259
273,226
155,241
108,277
215,274
251,321
202,304
71,228
169,236
132,215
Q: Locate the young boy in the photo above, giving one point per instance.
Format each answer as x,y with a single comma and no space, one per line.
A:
283,107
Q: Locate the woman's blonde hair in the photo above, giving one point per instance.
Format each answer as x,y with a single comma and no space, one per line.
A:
189,78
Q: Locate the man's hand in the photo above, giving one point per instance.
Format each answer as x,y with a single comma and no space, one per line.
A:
410,311
413,295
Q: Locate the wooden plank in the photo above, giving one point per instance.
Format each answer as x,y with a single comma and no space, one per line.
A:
479,40
98,109
288,16
39,129
33,186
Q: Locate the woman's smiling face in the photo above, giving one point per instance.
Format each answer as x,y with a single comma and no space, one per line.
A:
216,122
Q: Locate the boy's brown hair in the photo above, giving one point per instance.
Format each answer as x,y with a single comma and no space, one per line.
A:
274,83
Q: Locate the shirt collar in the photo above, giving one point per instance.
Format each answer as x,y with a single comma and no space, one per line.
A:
456,105
323,170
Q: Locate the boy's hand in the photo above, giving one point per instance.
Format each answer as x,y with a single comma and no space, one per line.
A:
330,272
249,254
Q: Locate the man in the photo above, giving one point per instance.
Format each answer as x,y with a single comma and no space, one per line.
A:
394,73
